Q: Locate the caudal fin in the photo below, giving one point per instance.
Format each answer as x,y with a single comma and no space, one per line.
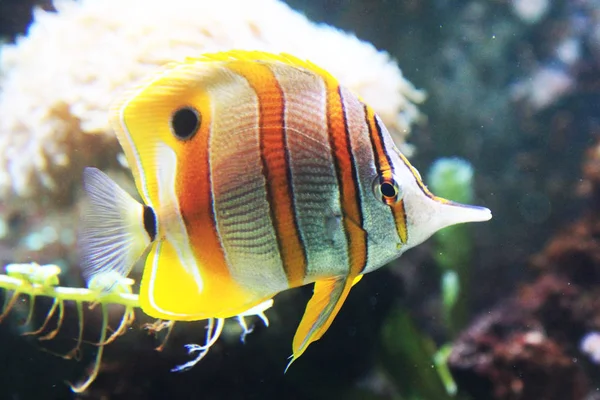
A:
116,228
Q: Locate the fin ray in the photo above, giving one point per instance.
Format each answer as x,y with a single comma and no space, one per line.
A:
113,235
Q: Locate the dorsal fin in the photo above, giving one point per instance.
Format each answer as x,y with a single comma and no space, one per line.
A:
258,56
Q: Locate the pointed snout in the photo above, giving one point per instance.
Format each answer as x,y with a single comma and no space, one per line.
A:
431,214
452,213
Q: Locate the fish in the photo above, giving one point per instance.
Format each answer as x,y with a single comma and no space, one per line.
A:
257,173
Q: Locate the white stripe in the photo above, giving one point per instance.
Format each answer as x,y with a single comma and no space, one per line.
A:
234,159
314,179
172,225
378,219
169,213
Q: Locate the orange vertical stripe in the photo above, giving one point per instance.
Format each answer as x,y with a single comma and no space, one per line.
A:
196,204
384,166
347,177
400,218
381,159
276,164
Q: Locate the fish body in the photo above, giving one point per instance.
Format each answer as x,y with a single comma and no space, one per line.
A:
258,173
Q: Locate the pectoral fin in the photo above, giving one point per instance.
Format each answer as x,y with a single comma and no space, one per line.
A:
327,299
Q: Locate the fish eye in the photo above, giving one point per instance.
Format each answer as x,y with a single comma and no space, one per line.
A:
387,190
185,123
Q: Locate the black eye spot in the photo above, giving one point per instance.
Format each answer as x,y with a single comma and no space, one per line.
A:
185,123
388,190
150,222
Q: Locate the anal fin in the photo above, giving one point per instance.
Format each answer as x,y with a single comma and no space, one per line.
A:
169,290
328,297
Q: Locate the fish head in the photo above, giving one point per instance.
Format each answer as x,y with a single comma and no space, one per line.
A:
170,110
423,212
401,212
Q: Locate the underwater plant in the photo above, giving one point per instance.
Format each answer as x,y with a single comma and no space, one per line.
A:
35,280
411,360
452,178
417,368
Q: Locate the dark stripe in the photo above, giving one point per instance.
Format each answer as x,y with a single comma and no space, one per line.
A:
385,169
384,152
275,159
348,180
416,175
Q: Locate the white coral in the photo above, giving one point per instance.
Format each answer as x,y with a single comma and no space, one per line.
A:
56,83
